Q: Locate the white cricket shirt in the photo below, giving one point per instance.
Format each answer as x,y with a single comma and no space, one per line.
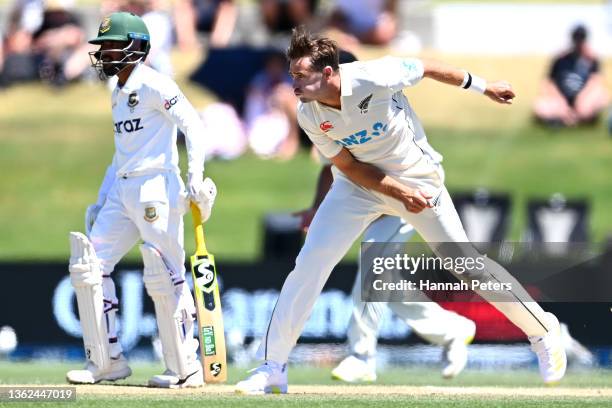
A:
375,123
146,113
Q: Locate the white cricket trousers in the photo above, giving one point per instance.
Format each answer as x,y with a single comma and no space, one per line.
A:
148,207
344,214
427,318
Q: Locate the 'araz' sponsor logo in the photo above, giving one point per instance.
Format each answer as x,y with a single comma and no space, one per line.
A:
129,126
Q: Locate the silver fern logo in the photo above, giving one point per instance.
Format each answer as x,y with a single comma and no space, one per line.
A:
365,104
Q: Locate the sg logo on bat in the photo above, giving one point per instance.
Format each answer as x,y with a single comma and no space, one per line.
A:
205,275
215,368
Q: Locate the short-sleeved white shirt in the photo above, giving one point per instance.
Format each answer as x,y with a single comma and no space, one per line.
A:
146,113
375,123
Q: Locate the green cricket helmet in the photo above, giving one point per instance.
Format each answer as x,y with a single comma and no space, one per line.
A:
131,43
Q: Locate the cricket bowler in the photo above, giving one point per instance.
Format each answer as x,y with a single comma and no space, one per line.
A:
358,117
428,319
142,197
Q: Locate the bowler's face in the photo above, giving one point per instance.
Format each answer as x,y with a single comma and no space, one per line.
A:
307,82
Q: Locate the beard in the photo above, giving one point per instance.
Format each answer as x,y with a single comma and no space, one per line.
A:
111,69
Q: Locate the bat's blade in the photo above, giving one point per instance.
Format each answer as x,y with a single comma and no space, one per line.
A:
208,309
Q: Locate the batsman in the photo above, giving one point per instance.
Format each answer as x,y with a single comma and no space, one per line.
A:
142,197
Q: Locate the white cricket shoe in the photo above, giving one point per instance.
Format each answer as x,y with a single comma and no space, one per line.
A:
118,370
551,354
269,378
169,379
455,353
353,369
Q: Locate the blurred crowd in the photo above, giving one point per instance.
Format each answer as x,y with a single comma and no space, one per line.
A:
42,41
46,40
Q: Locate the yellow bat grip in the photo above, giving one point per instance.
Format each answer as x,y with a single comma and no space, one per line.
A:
199,229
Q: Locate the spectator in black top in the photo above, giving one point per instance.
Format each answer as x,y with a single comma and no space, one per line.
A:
574,91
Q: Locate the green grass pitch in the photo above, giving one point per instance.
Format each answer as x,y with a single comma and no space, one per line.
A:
414,387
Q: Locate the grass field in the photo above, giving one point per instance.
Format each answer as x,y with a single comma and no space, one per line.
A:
55,146
414,387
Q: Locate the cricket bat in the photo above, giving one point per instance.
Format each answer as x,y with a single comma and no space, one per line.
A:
208,307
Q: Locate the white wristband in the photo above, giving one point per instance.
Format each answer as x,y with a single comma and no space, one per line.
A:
474,83
478,84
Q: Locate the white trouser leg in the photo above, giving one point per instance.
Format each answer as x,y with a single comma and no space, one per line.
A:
341,218
156,205
441,224
428,319
112,235
126,216
431,321
362,333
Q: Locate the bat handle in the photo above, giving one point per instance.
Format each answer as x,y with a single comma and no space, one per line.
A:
195,212
199,229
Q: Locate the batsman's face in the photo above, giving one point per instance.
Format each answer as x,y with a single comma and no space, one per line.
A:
308,83
111,52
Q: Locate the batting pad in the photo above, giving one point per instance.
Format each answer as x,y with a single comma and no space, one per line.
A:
86,278
175,322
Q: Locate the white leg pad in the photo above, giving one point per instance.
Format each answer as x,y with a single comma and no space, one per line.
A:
86,278
175,319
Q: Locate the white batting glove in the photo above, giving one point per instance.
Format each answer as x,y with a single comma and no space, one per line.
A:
90,217
203,193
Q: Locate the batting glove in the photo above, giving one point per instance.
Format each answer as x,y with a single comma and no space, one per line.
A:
203,193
